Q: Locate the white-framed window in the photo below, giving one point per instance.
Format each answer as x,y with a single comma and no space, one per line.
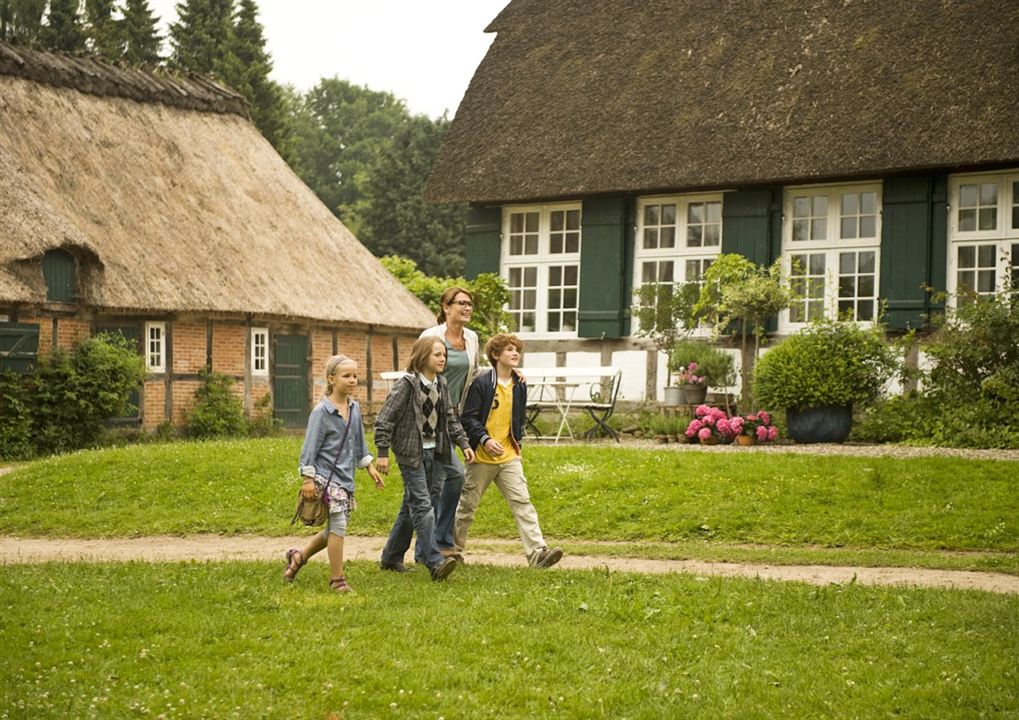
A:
541,265
259,351
155,347
677,239
983,232
831,247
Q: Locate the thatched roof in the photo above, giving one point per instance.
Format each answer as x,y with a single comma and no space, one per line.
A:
581,97
173,203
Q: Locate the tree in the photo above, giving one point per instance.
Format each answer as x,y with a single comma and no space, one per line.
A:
247,72
391,216
141,39
200,39
63,29
102,32
21,20
338,130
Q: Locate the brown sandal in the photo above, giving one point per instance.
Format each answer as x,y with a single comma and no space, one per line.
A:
295,561
340,585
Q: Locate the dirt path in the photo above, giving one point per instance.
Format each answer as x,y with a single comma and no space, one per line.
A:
15,550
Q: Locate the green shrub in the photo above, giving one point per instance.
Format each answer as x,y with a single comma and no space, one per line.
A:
827,363
714,364
15,420
74,394
263,423
219,412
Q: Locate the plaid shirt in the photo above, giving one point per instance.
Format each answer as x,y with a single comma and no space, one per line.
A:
398,424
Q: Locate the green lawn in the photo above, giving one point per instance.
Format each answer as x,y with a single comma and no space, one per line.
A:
582,493
224,640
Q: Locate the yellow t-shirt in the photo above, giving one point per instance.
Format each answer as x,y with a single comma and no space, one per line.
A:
500,418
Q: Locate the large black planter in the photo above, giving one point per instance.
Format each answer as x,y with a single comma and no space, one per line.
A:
830,424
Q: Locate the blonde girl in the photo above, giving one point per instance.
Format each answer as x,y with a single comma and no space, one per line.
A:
334,447
419,424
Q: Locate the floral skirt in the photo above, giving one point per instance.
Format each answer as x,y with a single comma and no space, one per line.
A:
337,498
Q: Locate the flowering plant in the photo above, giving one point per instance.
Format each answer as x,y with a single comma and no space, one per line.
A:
709,422
689,376
756,425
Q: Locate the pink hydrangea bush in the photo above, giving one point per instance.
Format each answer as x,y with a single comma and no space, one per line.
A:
714,422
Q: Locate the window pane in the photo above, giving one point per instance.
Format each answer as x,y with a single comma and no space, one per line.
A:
965,280
988,218
967,220
516,223
847,286
846,309
573,219
818,229
848,227
847,263
800,230
516,245
530,298
817,264
651,215
553,322
866,286
868,226
850,204
815,288
694,235
695,213
572,242
796,312
714,212
801,207
570,321
555,275
985,281
867,260
819,205
989,194
514,277
1015,217
571,274
986,256
865,310
647,272
669,214
531,245
532,222
967,195
712,234
814,311
665,270
556,244
967,257
650,238
570,298
558,219
555,298
868,203
668,237
527,322
531,276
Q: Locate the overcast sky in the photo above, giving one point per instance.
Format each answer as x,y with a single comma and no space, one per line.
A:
424,51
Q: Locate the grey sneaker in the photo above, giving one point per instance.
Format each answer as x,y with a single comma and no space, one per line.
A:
546,557
443,569
398,567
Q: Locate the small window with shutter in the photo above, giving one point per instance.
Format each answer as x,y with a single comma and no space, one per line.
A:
58,271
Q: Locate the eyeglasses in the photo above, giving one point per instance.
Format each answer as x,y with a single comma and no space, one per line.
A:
463,303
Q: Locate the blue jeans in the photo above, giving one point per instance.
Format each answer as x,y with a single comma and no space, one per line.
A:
416,514
449,498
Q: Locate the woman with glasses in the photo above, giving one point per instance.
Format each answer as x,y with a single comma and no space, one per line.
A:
462,356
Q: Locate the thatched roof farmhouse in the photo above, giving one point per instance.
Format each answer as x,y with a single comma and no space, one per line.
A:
874,141
151,204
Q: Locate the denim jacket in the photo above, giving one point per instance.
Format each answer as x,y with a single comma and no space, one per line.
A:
398,424
322,443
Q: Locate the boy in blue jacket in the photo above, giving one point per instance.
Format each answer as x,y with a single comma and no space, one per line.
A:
493,418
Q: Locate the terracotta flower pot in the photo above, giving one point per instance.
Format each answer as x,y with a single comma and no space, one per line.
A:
746,440
711,440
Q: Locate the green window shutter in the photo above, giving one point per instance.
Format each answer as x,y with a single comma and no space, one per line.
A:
483,241
58,271
913,246
746,224
605,267
752,227
19,346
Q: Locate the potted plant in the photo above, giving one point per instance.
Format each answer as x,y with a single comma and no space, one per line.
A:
664,313
737,297
700,365
820,373
753,428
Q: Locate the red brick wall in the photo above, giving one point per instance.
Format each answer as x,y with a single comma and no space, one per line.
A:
404,345
382,361
71,331
189,350
321,350
259,389
183,399
228,349
153,404
353,344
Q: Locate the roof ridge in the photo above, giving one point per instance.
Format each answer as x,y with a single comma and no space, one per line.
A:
93,75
